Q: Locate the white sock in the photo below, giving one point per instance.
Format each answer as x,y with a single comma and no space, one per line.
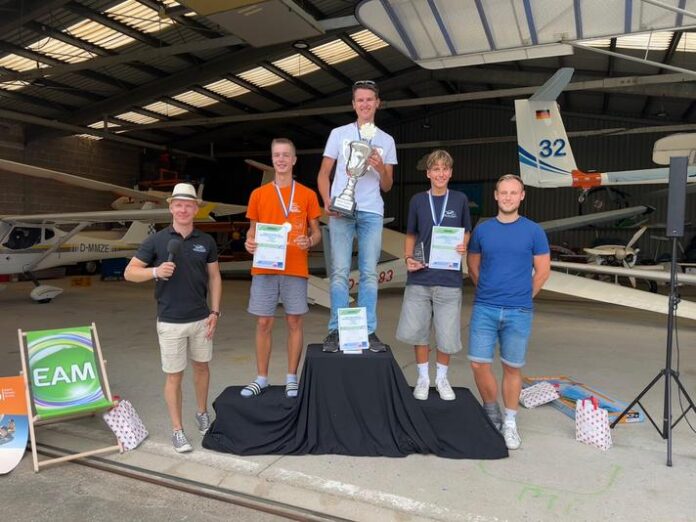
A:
261,381
510,416
291,377
441,372
423,372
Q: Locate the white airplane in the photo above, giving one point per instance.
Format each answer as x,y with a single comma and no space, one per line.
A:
35,242
392,274
545,155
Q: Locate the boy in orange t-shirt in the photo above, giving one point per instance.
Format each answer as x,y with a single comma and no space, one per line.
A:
282,202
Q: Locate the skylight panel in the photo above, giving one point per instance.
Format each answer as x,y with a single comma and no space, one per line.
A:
368,40
226,88
658,41
139,16
98,34
296,65
261,77
19,63
100,124
13,85
333,52
195,98
135,117
165,109
60,50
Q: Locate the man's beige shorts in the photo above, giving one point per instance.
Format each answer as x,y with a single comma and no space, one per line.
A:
177,340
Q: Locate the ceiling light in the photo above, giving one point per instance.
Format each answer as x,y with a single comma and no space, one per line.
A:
300,45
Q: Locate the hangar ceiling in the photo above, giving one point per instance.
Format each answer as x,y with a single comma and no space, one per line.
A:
160,73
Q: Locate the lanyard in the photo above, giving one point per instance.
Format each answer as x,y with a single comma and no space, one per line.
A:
436,221
286,210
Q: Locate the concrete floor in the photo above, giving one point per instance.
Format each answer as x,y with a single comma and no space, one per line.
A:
551,477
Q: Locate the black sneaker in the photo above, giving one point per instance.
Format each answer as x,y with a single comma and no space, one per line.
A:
375,344
331,342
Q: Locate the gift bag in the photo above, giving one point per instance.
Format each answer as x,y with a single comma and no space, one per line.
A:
592,424
126,425
538,394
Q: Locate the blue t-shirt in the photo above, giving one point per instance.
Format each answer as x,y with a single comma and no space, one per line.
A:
420,224
507,259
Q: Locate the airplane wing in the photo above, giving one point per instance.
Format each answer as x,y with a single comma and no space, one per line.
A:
155,215
556,225
77,181
615,294
651,274
220,209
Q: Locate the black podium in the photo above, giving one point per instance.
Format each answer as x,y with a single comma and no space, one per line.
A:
356,405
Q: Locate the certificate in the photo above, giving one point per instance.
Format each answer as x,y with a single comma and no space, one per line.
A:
443,248
352,330
271,246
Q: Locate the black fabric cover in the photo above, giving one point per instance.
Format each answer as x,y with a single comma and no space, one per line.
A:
356,405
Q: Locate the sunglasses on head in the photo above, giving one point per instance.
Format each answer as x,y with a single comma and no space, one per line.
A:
369,83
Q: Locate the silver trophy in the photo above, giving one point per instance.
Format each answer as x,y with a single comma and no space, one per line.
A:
356,168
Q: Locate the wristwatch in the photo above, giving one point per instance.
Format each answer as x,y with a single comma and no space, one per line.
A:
215,312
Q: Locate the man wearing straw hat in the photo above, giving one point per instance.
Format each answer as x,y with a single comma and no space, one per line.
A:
188,287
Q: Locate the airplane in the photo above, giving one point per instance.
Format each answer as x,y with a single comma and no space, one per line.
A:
392,273
35,242
546,157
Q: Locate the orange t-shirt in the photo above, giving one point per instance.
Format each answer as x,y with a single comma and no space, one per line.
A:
264,207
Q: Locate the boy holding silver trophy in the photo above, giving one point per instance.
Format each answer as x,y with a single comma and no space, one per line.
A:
364,157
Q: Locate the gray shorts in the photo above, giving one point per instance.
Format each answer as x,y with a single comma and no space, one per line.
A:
431,306
268,290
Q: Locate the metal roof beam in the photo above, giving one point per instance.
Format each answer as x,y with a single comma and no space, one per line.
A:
29,10
374,62
291,79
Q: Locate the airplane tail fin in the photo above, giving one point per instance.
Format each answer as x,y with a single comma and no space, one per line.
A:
545,156
137,232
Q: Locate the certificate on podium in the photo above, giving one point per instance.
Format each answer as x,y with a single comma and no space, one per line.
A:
352,330
443,248
271,246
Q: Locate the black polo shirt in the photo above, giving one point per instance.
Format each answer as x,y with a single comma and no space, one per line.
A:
184,297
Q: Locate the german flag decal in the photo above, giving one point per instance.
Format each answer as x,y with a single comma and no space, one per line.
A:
543,114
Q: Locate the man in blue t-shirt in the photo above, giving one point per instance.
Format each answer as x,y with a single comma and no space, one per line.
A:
433,296
502,253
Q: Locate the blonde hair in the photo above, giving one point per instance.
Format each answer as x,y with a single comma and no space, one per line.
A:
438,156
283,141
509,177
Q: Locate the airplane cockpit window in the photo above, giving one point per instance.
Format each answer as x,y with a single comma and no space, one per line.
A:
4,229
48,233
22,237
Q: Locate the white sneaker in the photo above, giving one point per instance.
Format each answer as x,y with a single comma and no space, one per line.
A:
445,390
421,390
512,438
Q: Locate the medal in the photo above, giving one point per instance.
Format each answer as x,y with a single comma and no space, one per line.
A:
287,226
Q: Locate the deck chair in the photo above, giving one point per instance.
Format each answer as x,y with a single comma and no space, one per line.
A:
65,379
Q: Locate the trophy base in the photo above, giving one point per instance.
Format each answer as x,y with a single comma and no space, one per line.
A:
343,207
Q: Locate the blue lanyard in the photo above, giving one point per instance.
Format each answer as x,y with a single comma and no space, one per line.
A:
438,222
286,210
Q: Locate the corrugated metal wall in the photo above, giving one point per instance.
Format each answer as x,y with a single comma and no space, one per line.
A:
483,163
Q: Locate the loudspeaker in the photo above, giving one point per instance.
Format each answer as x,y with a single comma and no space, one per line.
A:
677,196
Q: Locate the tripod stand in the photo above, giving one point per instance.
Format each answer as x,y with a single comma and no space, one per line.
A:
667,372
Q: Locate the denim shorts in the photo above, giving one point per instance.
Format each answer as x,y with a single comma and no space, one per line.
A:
267,290
510,327
427,306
